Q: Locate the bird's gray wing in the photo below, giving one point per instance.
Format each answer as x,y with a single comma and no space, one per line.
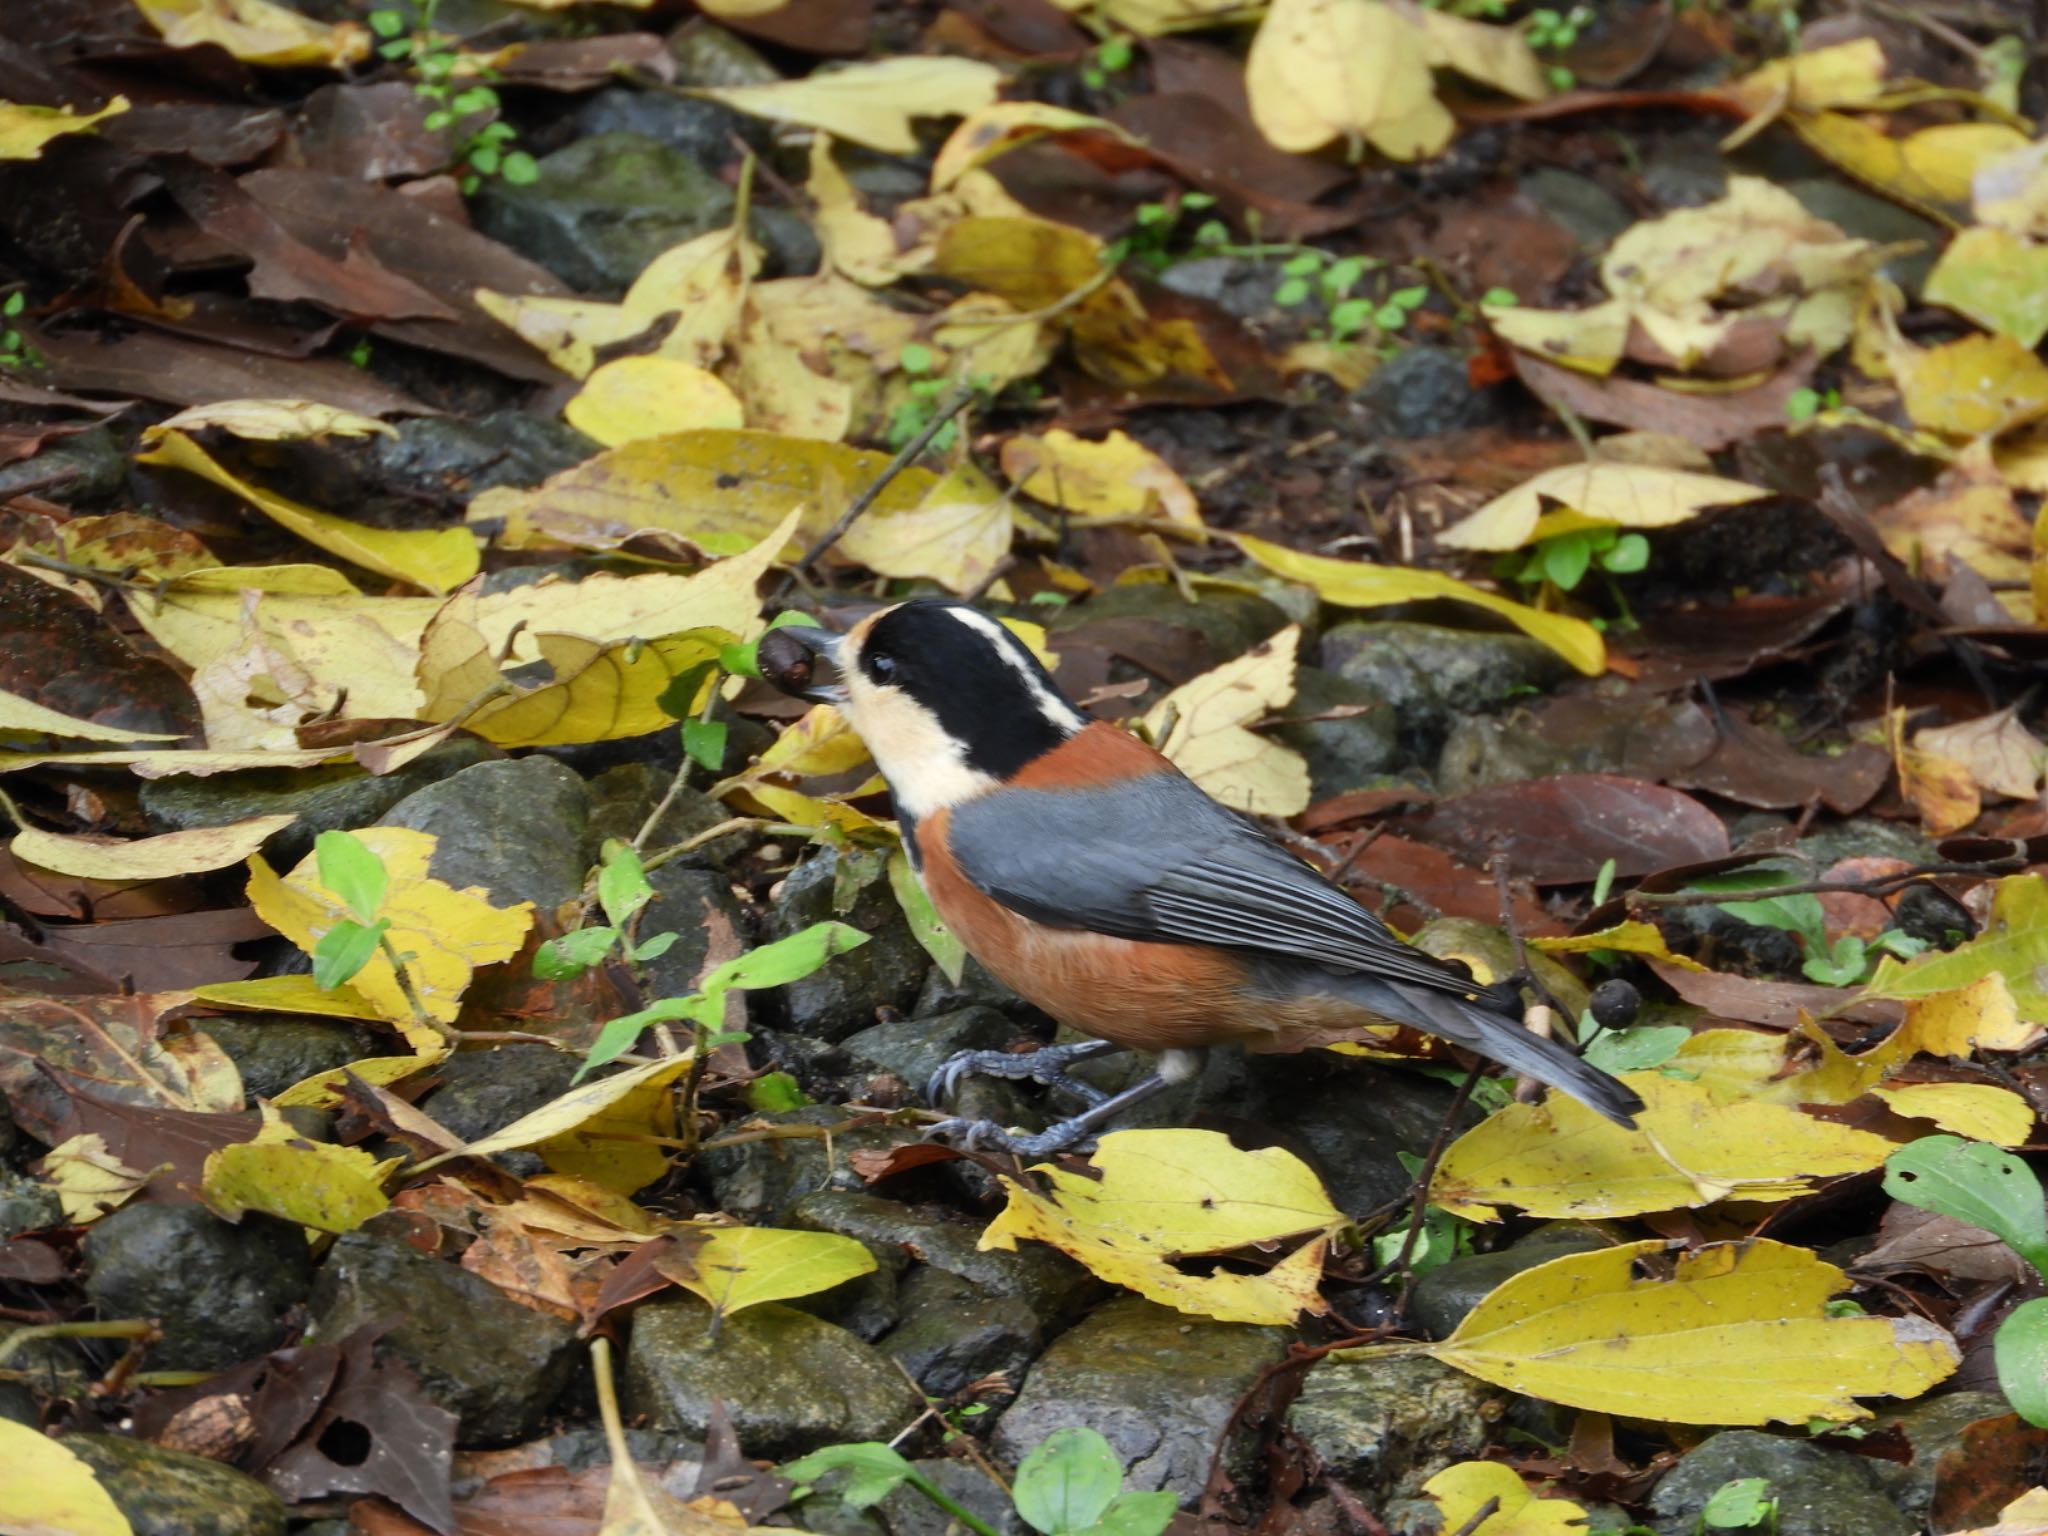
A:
1155,858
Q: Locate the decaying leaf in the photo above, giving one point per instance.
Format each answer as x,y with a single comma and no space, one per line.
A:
1463,1490
1118,477
597,1130
146,858
2013,945
271,421
2003,756
24,130
1623,495
280,1173
870,104
1165,1195
258,32
1633,1330
1203,725
636,397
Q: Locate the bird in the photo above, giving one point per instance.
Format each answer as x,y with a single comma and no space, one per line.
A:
1104,886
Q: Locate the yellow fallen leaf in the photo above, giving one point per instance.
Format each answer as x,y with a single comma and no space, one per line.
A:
1591,340
719,491
1497,56
25,717
1589,1331
315,1184
436,559
870,104
957,536
1691,1148
1324,70
993,344
1930,170
258,32
167,763
2003,756
694,289
93,857
794,808
1118,477
24,129
1978,386
322,1090
1840,75
778,389
739,1267
1940,788
2011,191
89,1180
1203,725
288,994
1167,1195
1980,1111
45,1490
1632,937
1626,495
1979,1016
638,397
1996,278
448,933
1461,1491
1155,18
596,1130
2026,1515
2013,945
1357,584
271,421
857,243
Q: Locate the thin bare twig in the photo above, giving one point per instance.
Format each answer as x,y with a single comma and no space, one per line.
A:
947,409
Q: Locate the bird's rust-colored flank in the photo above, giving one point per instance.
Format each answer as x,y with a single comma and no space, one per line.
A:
1097,752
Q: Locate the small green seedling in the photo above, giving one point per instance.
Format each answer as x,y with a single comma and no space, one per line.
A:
15,352
1564,559
1071,1485
1742,1504
1443,1237
1112,56
1986,1186
1557,31
352,871
1804,404
1842,963
454,96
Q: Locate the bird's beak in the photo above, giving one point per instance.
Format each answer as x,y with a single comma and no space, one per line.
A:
789,659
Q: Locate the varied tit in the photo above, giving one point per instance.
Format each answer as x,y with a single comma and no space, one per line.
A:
1083,869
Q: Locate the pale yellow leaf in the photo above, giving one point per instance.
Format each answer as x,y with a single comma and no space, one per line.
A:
323,1090
1841,75
287,994
436,559
1978,386
1357,584
1590,340
45,1490
738,1267
1461,1491
779,390
1203,725
1930,170
1996,278
2003,756
1499,56
271,421
957,536
314,1184
1980,1111
258,32
24,130
89,1180
25,717
1166,1195
1590,1332
871,104
590,1131
1007,125
1627,495
1113,479
93,857
638,397
856,242
1324,70
1978,1016
2013,944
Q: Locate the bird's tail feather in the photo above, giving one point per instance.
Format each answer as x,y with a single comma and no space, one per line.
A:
1501,1037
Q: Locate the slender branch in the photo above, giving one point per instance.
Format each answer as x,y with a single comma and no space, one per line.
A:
1877,885
948,408
1479,1517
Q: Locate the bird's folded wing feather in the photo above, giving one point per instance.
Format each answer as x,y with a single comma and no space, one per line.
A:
1154,858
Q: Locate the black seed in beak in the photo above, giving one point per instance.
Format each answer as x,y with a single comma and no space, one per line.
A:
788,658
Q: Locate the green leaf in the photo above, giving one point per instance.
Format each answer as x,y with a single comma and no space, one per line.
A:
400,49
478,98
915,358
352,872
1738,1505
1304,265
684,695
784,961
1565,559
1638,1049
877,1471
2021,1351
573,953
1137,1514
775,1092
1801,915
1802,404
1977,1184
618,1035
345,949
1291,292
386,23
1500,298
655,947
16,302
1409,298
1839,968
622,887
485,159
438,119
704,742
938,940
1350,317
1631,552
1068,1483
520,168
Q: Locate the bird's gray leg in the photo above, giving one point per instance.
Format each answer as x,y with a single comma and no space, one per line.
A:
1047,1065
1078,1130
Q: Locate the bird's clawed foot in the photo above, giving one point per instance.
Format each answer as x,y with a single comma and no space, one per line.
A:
1047,1065
1075,1135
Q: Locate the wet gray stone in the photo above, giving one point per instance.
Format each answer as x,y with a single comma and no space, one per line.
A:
222,1293
697,904
272,1051
1681,172
761,1181
910,1513
913,1049
791,1382
1933,1428
844,995
1820,1491
26,1204
622,798
1424,391
497,1365
1383,1428
1239,285
1351,751
1432,676
954,1333
171,1493
456,457
975,989
336,797
517,828
867,1306
1041,1277
1156,1383
85,466
695,126
1351,1120
1592,213
1444,1295
1640,740
484,1091
710,55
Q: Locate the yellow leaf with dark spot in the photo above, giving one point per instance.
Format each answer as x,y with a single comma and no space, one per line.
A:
1980,1111
313,1183
2013,944
734,1268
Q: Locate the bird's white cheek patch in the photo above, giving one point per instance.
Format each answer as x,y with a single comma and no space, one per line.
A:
927,769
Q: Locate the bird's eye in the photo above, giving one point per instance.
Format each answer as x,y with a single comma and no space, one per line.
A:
883,667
